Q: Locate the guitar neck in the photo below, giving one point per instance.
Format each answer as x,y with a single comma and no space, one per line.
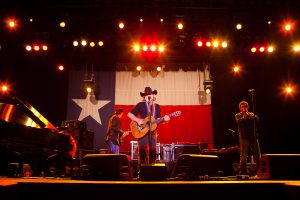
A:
160,119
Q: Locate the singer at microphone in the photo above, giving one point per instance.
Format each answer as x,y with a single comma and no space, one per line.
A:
251,90
248,137
147,137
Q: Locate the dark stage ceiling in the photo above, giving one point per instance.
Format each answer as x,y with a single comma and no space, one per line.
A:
97,20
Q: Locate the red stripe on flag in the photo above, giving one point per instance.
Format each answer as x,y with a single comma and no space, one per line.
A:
194,125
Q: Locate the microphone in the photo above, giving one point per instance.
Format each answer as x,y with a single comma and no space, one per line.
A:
251,90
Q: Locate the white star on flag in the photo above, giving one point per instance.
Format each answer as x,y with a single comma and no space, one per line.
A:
90,107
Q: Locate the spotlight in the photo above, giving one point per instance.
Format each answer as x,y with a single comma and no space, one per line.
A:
4,88
89,85
208,86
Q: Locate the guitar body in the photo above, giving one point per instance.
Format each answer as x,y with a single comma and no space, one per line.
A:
149,124
140,131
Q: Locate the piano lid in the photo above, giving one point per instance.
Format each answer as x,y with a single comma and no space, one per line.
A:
21,112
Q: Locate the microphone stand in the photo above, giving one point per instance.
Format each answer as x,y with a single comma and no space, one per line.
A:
252,91
149,131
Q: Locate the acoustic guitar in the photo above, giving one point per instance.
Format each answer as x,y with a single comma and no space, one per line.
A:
139,131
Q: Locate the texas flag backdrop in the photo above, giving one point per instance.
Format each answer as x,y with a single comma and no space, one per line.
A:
176,91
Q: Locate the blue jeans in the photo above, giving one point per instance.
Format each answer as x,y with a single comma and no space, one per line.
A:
113,148
246,144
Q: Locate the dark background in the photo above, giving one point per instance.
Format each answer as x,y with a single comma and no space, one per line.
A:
33,76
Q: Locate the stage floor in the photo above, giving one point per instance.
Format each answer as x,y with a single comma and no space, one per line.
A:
220,188
191,176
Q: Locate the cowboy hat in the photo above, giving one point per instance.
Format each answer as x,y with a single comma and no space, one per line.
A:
148,91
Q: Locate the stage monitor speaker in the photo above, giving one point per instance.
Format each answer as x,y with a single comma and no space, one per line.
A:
107,167
193,166
279,166
154,172
185,149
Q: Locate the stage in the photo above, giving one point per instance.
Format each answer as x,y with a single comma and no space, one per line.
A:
192,175
223,188
189,175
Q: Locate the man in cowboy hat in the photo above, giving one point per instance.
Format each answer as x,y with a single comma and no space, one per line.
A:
144,112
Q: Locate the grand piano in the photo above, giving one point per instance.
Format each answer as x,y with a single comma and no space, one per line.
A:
27,137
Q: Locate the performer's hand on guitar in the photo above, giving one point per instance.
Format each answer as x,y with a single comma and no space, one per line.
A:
166,118
121,139
140,122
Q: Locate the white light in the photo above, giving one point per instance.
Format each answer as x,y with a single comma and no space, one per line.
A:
75,43
83,42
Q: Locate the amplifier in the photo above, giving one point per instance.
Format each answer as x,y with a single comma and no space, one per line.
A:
75,123
84,139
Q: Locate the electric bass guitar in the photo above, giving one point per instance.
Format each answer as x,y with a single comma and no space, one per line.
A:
139,131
